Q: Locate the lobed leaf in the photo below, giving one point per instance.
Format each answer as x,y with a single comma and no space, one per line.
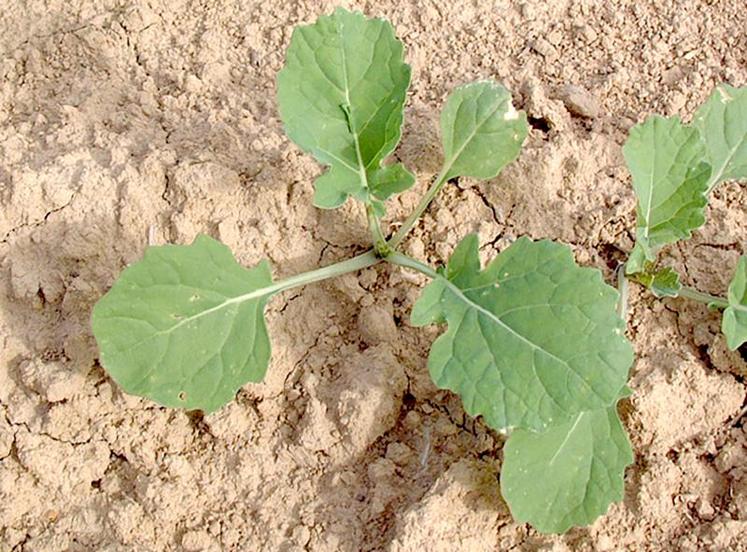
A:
480,130
722,122
734,322
341,96
664,282
670,180
532,340
568,475
185,325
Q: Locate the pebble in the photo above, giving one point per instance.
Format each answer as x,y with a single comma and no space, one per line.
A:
579,101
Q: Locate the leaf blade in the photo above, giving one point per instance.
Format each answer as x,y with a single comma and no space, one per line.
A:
734,321
185,326
568,475
341,96
670,179
664,282
481,131
722,121
535,305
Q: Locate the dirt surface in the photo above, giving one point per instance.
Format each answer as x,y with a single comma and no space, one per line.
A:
126,122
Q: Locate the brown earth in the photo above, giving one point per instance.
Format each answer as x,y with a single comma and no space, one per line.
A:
125,122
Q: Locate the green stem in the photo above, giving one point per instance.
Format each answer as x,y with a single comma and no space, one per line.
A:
695,295
408,262
351,265
622,287
380,244
420,209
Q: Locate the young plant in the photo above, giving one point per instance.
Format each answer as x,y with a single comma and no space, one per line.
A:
534,343
675,167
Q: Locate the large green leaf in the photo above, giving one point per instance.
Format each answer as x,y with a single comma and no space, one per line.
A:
722,122
734,323
480,130
670,180
568,475
185,325
341,96
532,340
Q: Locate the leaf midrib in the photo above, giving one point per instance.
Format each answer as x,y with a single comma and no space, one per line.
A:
450,163
458,292
256,294
363,177
716,178
567,438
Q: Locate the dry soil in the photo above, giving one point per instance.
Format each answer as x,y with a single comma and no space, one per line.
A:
126,122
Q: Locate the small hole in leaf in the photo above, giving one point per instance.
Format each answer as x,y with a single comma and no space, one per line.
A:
182,396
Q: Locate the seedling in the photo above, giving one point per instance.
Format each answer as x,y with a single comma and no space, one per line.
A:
675,167
534,343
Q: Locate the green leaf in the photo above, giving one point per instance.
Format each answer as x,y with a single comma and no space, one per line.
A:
390,180
341,96
734,323
722,122
663,283
532,340
481,131
568,475
670,180
185,325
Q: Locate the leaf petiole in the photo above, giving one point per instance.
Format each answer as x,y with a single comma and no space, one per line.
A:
622,289
711,300
354,264
425,201
408,262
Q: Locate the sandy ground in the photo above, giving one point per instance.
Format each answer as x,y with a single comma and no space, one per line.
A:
117,117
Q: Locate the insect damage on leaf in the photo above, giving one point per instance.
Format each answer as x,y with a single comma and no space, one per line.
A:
341,96
185,325
532,340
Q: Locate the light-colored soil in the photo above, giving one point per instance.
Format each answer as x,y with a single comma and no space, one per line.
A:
121,120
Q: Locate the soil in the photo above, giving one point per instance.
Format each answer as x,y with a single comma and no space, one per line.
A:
124,123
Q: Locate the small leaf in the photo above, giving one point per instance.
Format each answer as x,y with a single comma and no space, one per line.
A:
663,283
481,131
670,180
341,96
390,180
734,323
532,340
185,325
722,122
568,475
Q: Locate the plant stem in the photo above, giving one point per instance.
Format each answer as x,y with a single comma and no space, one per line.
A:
420,209
622,288
381,247
408,262
695,295
350,265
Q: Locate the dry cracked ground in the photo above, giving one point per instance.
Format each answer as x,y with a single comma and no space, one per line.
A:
129,122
